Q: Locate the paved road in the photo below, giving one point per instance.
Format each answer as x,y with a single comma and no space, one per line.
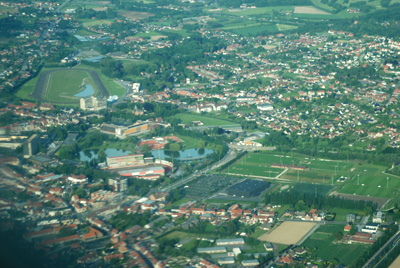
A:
228,157
309,234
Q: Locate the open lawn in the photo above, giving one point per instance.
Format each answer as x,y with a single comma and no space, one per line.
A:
320,189
286,27
260,10
309,10
134,15
288,232
323,241
188,118
95,22
358,178
64,84
112,87
25,91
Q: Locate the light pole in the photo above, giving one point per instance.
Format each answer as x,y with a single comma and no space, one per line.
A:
387,179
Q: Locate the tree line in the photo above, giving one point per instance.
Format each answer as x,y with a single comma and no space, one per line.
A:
318,201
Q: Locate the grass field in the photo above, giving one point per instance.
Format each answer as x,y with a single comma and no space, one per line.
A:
288,232
260,10
64,84
320,189
68,80
27,89
362,178
255,29
95,22
188,118
323,241
112,87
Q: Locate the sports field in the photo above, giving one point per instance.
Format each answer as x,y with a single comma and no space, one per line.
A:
59,86
288,232
349,177
63,85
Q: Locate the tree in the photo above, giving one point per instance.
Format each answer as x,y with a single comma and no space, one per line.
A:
338,236
102,155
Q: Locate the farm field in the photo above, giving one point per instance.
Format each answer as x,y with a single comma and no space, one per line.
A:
188,118
358,178
134,15
309,10
288,232
254,29
323,240
396,263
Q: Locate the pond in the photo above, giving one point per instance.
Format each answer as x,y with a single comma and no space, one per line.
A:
185,155
88,91
92,154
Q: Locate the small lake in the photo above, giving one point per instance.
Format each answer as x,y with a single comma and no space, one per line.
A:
95,59
88,91
185,155
92,154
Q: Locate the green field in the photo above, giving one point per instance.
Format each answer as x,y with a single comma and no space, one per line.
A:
255,29
188,118
362,178
308,188
323,242
64,84
109,83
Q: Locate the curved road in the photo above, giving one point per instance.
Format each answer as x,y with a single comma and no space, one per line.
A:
228,157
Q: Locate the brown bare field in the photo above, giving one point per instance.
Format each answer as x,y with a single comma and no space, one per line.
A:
379,200
156,37
309,10
134,15
289,232
396,263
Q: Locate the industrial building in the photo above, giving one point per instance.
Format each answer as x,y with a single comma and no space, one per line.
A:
248,188
230,241
93,103
125,161
146,172
211,250
119,184
31,145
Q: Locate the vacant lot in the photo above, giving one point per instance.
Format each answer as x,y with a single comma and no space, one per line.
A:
396,263
288,232
309,10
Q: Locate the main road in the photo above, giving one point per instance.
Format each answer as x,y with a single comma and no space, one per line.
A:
228,157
